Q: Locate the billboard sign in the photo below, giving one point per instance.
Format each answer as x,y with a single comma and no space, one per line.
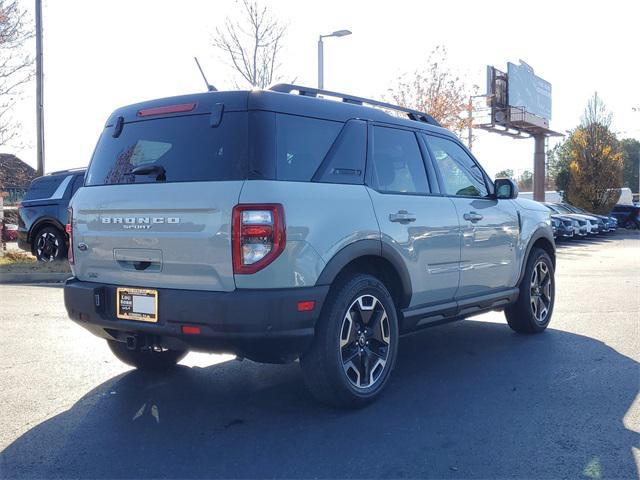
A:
528,90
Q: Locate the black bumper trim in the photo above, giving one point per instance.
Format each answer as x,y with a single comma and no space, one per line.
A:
264,325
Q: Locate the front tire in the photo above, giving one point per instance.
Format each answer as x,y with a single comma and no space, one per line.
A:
146,359
532,312
355,345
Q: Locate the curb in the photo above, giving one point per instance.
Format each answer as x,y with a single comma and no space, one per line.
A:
11,278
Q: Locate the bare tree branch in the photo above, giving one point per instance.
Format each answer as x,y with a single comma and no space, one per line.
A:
15,64
252,44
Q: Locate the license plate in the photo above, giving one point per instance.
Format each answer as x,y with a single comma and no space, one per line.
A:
139,304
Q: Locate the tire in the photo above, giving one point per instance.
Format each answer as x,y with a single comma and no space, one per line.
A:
632,224
532,312
49,245
356,337
146,359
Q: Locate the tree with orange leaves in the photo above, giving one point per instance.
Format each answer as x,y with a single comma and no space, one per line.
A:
436,90
595,161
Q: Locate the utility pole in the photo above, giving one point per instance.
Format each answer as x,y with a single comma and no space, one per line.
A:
320,63
538,168
470,119
39,90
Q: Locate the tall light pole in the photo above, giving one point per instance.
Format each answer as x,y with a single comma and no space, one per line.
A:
39,100
337,33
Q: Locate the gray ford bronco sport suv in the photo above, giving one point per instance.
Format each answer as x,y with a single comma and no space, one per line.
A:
278,225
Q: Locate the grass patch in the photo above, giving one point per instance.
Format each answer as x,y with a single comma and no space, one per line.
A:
22,262
16,257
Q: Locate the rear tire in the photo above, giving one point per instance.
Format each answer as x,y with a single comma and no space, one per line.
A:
355,344
49,245
146,359
532,312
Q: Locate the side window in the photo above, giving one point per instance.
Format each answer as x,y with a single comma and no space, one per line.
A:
396,162
346,159
301,145
460,174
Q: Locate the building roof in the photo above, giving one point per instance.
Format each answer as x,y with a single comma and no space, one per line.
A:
14,172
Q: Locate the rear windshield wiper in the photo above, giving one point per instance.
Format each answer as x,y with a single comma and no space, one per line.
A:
161,173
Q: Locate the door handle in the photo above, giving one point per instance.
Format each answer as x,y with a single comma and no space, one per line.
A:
402,216
472,217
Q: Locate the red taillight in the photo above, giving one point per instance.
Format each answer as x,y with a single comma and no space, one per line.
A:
256,230
258,236
189,330
183,107
69,229
306,305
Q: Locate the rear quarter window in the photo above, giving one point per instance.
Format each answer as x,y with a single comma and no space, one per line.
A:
188,148
301,145
43,187
345,162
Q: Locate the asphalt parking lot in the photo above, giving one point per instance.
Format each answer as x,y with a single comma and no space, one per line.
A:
467,400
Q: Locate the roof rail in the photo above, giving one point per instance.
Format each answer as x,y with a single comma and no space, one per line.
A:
314,92
68,170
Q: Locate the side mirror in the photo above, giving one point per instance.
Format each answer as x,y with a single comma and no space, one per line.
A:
505,188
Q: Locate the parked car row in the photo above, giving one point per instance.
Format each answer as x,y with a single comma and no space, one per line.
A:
569,221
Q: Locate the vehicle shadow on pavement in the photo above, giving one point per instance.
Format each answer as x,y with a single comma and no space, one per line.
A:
467,400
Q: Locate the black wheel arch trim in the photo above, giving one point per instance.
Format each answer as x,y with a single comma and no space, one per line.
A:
42,223
537,235
363,248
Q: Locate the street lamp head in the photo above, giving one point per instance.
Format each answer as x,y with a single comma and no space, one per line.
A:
337,33
341,33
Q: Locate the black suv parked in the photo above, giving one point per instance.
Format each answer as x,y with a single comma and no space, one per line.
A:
42,214
628,216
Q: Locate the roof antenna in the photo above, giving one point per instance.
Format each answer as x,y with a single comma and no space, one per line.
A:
210,87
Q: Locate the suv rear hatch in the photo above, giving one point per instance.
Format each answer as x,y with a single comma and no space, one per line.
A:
150,215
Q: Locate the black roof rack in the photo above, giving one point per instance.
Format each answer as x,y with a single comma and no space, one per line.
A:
314,92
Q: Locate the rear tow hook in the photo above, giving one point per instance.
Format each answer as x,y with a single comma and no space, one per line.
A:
132,342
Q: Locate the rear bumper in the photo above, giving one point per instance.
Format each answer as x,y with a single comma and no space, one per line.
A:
264,325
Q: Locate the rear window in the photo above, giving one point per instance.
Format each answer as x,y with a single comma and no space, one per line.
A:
43,187
188,148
